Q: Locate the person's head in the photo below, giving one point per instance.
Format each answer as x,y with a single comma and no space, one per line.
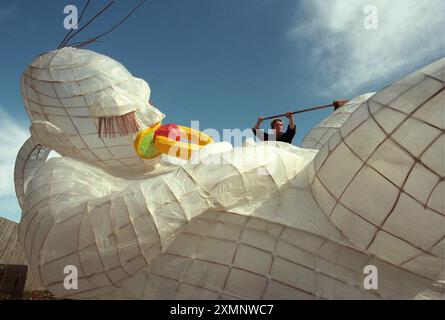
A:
277,125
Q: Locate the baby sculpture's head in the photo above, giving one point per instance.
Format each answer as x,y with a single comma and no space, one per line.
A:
88,106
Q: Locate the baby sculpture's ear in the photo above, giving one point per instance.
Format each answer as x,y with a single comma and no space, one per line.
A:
47,134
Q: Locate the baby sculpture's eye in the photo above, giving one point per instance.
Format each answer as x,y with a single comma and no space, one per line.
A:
119,125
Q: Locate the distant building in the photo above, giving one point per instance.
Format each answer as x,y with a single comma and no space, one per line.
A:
12,253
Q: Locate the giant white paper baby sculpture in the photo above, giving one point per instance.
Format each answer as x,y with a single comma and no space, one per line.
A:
264,221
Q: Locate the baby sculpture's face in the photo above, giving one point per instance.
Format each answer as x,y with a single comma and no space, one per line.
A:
88,106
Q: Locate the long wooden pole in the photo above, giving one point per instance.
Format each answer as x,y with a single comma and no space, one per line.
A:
301,111
335,104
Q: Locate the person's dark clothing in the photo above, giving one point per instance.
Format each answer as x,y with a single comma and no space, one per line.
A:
285,137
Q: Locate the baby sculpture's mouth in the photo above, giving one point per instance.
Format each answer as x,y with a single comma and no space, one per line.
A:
152,141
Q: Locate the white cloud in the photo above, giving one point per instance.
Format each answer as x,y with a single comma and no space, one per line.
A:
12,137
344,55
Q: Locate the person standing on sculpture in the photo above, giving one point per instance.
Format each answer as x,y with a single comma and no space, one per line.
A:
277,128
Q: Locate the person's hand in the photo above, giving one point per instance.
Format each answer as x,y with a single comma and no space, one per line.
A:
339,103
289,115
260,119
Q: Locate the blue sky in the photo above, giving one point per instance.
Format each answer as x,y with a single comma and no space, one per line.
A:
225,62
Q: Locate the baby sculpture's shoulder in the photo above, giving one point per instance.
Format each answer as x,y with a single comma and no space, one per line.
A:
64,175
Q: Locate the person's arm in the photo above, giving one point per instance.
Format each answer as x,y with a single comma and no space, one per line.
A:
258,123
261,134
290,117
